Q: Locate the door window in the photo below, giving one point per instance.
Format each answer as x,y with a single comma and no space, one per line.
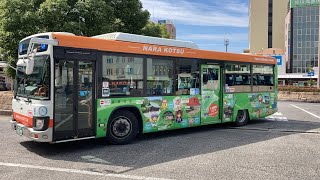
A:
64,90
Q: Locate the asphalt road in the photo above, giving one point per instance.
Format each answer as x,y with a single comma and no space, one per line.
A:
283,146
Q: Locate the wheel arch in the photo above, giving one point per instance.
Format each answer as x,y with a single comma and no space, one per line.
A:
134,109
241,123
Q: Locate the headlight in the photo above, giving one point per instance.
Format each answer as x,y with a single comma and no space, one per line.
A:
39,123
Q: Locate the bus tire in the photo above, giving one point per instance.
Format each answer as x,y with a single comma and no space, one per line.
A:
122,127
242,118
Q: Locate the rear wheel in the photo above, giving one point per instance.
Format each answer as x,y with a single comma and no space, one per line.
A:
242,118
122,127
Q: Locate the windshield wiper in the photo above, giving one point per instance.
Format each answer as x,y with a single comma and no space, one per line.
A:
28,99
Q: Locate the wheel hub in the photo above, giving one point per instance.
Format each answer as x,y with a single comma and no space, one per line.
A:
121,127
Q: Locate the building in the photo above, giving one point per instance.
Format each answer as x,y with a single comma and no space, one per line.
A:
302,38
297,21
171,29
5,82
266,24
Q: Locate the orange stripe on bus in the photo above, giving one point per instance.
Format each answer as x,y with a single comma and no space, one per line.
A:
140,48
28,121
22,119
50,123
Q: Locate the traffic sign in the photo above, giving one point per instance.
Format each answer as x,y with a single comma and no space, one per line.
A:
311,73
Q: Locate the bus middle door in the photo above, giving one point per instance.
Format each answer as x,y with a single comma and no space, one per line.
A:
210,94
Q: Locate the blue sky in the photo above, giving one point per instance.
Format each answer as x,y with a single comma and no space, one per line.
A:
206,22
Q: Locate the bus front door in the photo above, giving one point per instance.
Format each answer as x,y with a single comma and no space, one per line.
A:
210,94
74,100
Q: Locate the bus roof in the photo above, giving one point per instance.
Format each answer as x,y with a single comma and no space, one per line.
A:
147,40
121,46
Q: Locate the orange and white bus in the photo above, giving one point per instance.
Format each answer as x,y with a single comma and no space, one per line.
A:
118,85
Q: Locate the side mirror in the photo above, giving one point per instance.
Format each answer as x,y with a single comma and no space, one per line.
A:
30,62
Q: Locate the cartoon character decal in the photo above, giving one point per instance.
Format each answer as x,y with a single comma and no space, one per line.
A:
260,99
168,118
191,121
177,103
154,119
213,110
164,104
178,116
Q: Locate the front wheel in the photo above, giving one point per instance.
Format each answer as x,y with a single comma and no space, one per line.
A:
122,127
242,118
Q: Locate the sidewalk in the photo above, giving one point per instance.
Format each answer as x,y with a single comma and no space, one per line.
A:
6,103
4,112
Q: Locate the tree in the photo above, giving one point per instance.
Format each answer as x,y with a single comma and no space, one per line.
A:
130,17
82,17
156,30
18,19
21,18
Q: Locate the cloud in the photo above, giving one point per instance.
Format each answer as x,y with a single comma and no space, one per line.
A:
236,37
232,13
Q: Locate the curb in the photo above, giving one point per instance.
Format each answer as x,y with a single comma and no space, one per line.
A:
5,112
297,100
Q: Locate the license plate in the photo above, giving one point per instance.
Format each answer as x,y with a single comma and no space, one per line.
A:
19,130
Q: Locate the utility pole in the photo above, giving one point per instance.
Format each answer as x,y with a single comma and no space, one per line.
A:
318,70
226,43
318,78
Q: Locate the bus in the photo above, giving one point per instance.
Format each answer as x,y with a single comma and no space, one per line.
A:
117,85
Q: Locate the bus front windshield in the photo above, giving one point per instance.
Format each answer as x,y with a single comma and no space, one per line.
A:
37,84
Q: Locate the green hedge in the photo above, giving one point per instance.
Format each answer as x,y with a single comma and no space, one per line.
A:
298,89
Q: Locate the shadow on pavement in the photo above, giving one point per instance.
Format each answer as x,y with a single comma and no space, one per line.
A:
156,148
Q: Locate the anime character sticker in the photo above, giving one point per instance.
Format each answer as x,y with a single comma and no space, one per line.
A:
168,118
191,121
154,119
164,104
177,103
178,116
260,99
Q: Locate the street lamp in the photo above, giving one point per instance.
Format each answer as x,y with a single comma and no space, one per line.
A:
75,10
226,43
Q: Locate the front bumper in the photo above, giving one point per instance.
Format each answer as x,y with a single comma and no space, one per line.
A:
39,136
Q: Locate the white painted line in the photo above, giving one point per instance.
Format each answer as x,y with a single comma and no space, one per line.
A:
272,118
277,114
306,111
77,171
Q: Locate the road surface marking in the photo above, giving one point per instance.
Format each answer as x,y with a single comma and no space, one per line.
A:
305,111
278,116
77,171
272,118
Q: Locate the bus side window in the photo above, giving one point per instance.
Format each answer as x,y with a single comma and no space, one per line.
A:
188,77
